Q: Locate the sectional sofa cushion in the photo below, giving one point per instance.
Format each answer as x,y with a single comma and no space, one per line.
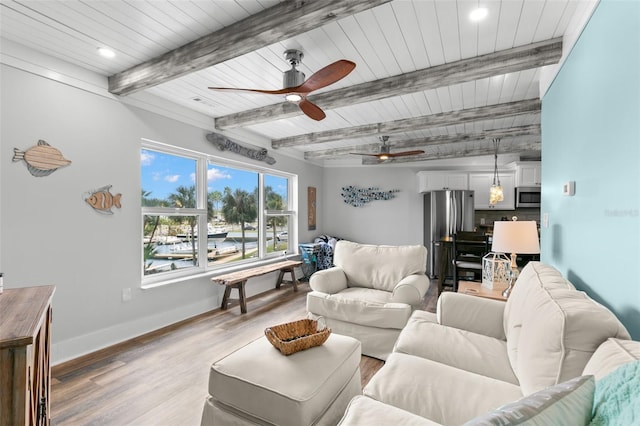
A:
552,330
363,411
441,393
610,355
567,403
482,316
361,263
458,348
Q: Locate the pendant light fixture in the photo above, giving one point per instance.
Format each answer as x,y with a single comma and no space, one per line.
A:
495,192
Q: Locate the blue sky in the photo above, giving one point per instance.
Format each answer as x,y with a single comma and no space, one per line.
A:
163,173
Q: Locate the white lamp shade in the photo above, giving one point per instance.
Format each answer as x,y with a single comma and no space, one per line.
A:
515,237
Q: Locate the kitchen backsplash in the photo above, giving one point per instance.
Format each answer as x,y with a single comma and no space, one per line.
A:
487,217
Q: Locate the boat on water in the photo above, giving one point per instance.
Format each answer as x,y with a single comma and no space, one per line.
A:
214,233
162,240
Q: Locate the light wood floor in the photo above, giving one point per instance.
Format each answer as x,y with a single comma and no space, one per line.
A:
161,378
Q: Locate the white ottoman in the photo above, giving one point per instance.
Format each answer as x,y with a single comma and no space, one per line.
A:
257,385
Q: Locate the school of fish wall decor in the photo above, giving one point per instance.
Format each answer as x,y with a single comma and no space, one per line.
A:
358,197
42,159
102,200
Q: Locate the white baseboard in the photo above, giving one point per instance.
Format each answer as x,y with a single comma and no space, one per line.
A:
100,339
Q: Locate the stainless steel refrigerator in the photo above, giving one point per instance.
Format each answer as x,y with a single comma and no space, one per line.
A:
445,213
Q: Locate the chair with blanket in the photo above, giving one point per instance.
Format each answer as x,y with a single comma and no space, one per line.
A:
370,293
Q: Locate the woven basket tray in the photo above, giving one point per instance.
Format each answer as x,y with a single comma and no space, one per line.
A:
296,336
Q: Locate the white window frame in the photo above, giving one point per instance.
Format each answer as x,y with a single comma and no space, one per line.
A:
202,164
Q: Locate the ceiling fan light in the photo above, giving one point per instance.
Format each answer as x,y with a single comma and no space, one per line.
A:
293,97
383,157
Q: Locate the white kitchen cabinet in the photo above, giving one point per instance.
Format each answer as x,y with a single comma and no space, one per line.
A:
480,184
434,181
529,174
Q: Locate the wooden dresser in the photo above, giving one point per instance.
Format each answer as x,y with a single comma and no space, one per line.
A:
25,331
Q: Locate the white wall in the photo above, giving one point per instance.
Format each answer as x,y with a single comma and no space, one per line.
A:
395,221
49,234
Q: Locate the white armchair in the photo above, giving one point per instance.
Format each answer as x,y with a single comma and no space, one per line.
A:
370,293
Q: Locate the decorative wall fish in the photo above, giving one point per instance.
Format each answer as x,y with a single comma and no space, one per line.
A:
42,159
358,197
102,200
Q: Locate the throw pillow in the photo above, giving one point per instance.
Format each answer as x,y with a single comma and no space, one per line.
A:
567,403
617,397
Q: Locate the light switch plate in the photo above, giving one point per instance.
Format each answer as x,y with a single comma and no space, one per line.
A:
569,188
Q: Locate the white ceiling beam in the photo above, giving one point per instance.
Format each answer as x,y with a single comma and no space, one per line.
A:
511,109
499,63
280,22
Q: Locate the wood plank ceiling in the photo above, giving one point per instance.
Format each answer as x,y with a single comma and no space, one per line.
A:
426,75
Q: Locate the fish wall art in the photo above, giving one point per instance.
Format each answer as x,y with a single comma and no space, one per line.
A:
358,197
102,200
42,159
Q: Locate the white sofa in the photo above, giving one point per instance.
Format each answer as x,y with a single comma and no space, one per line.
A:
476,355
370,293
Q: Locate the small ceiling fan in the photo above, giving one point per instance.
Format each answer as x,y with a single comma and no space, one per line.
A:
296,88
384,153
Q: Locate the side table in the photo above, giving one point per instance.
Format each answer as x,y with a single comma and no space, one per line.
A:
476,289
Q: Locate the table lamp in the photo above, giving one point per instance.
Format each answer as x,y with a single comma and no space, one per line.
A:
515,237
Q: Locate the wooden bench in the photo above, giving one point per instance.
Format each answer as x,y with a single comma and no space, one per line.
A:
239,279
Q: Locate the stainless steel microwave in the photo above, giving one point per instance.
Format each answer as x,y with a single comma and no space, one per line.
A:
528,196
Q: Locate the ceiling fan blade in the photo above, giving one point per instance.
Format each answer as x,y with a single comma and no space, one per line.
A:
268,92
311,110
364,153
405,153
326,76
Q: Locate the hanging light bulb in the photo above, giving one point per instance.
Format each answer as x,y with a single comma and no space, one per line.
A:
496,194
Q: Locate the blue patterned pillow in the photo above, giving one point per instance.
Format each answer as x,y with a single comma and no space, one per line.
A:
617,397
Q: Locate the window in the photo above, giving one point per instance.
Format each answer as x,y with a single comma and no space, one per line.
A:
247,213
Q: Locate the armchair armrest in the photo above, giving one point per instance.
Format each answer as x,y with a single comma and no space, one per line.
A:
329,281
411,290
472,313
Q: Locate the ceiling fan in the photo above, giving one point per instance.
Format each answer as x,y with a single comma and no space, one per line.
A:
384,153
296,88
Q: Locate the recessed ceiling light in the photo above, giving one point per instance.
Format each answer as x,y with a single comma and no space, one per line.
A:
107,53
479,14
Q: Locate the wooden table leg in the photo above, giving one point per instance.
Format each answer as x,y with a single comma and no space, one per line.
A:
241,295
225,298
280,277
294,281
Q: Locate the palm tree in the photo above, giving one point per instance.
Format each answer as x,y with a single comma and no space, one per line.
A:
274,201
215,198
239,207
185,197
